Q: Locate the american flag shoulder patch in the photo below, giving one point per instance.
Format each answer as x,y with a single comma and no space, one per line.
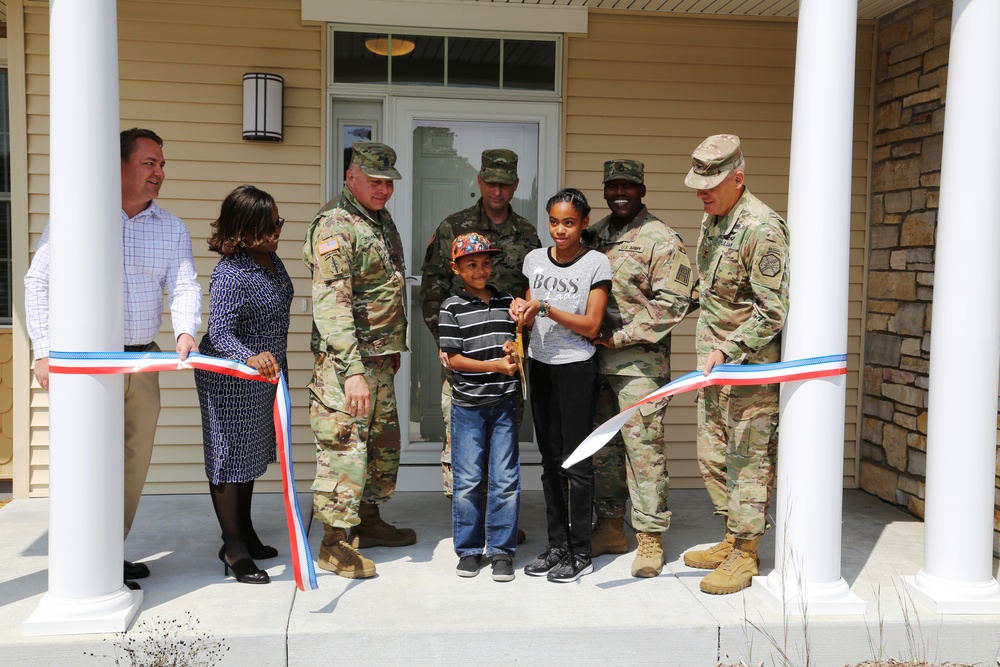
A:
328,246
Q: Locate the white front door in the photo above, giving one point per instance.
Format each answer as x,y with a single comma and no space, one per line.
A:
438,145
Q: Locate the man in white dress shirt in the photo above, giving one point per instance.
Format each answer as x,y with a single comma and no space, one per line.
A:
157,256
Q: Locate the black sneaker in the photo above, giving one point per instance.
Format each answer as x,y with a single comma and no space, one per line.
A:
540,566
570,569
468,566
503,570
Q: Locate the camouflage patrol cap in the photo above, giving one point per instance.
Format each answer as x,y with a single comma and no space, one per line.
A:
374,159
499,166
713,160
624,170
471,244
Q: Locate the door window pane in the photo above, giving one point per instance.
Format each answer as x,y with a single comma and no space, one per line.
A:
418,60
446,161
355,62
529,64
474,62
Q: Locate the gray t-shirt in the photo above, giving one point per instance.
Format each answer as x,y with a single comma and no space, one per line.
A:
566,287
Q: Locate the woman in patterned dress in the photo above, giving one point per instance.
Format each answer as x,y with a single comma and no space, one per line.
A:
250,298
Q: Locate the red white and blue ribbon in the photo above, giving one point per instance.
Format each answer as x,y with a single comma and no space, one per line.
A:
731,374
108,363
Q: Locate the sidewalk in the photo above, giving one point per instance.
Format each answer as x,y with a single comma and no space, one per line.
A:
417,612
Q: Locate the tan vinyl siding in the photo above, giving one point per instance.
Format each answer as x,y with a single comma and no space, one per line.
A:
181,69
651,87
6,404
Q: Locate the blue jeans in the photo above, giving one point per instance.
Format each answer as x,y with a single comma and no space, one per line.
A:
484,453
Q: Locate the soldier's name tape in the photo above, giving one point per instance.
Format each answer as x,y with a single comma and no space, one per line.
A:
723,374
109,363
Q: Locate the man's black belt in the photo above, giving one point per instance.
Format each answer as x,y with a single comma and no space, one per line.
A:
138,348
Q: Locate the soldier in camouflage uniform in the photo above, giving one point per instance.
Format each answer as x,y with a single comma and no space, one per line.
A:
355,256
743,293
492,217
650,294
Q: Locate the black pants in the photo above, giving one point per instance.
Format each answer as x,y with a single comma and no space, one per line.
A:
563,400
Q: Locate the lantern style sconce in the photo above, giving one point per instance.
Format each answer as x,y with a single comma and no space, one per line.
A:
262,106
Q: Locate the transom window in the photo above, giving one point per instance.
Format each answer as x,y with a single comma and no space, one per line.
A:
445,61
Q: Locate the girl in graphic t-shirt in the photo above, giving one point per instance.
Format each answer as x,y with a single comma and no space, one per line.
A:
568,291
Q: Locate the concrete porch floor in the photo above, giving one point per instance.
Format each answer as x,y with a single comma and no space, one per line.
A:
418,612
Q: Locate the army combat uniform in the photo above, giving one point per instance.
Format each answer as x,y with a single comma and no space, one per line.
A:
516,236
742,289
650,293
359,325
743,293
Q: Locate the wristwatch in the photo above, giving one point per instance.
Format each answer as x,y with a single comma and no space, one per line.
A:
543,310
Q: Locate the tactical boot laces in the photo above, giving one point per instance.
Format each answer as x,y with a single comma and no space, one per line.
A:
712,557
339,557
733,575
608,536
649,556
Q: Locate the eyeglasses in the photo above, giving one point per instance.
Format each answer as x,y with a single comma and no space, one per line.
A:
280,223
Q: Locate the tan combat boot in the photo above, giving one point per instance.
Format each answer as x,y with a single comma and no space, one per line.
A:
736,572
374,532
712,557
608,536
336,555
649,556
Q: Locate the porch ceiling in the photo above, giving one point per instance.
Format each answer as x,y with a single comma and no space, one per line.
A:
867,9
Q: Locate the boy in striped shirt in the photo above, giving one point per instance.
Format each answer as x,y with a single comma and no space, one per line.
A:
477,335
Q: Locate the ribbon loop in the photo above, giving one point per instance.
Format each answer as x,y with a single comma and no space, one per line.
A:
107,363
731,374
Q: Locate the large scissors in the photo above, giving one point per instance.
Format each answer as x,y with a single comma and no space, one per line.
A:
519,354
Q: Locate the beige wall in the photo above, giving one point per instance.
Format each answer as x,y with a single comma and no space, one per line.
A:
651,87
181,68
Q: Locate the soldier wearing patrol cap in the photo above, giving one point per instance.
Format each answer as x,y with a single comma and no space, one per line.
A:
743,293
650,294
492,217
355,256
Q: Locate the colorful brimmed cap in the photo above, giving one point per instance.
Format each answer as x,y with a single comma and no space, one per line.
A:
471,244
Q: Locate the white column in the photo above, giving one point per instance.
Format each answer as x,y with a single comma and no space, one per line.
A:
957,576
85,313
809,497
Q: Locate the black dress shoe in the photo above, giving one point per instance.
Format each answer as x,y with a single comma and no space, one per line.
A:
260,551
135,570
133,586
245,570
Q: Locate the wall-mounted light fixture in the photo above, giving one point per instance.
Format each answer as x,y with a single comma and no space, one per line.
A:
380,46
262,106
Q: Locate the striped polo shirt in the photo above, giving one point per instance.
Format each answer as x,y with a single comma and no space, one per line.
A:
478,331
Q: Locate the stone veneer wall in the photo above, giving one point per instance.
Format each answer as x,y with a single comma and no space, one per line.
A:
911,76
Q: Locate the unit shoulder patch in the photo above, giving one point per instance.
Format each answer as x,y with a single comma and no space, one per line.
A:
683,275
770,264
